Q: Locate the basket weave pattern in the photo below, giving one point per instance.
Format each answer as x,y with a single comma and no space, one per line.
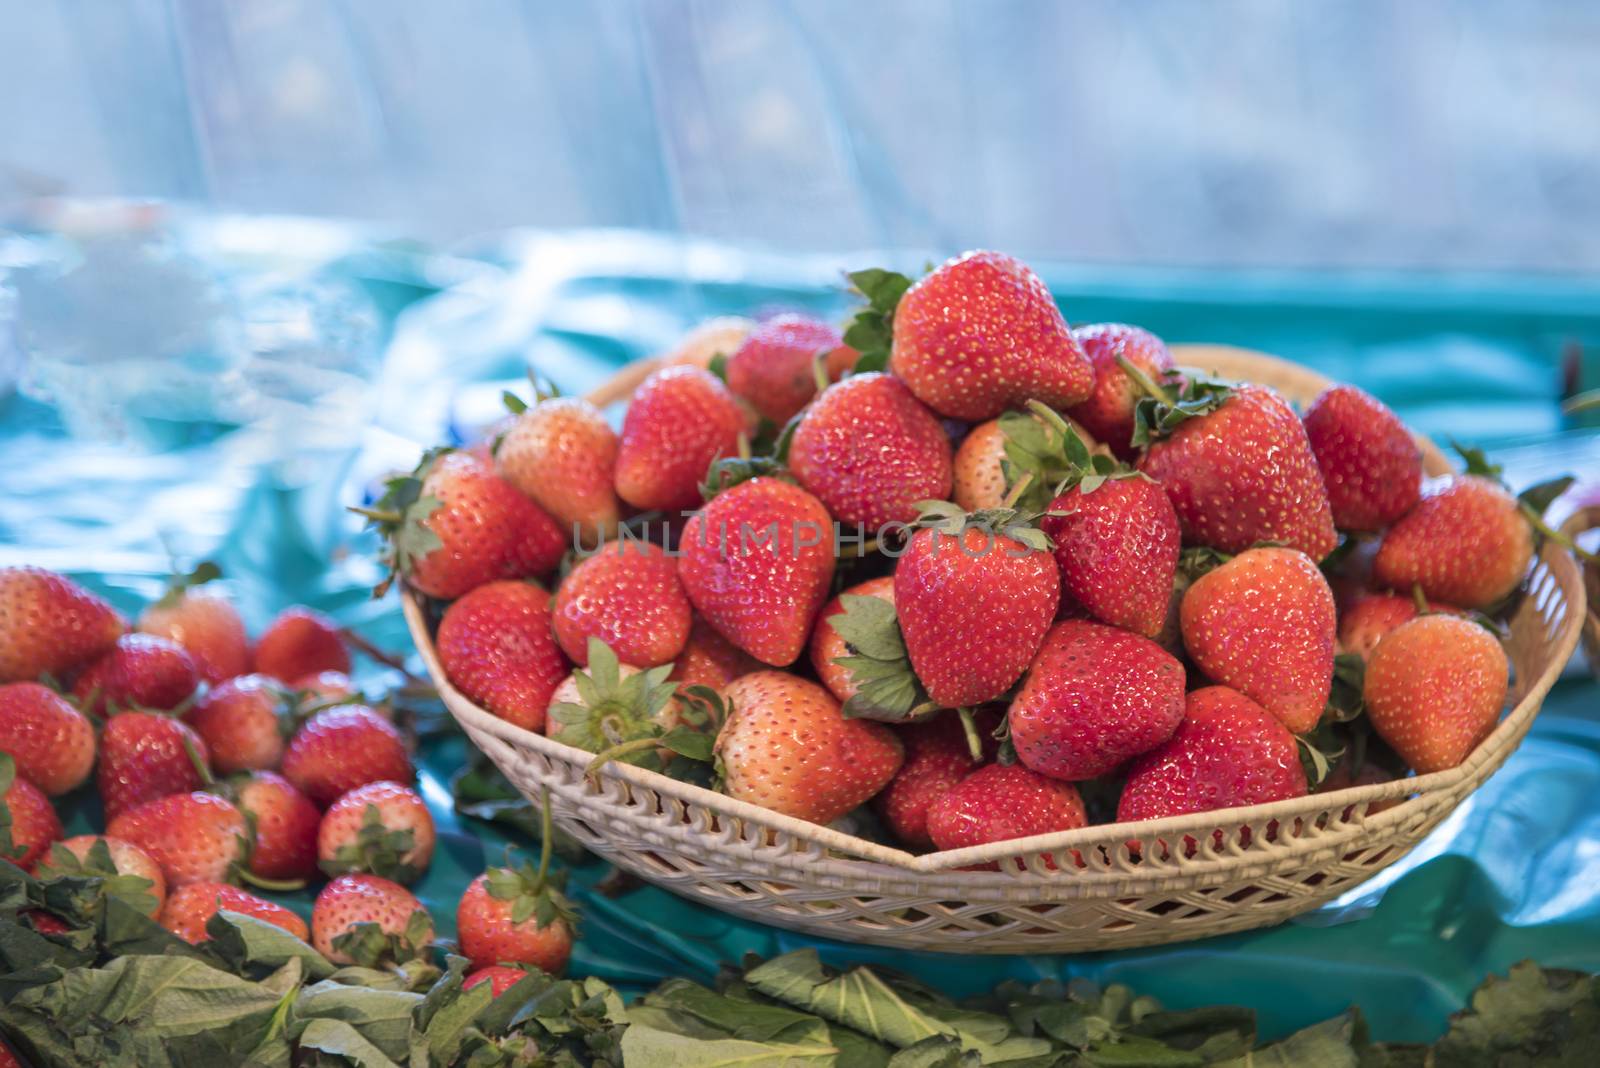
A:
1101,887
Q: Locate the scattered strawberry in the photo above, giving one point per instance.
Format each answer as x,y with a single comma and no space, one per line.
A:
980,479
191,907
498,976
680,420
383,828
869,451
300,641
1108,414
28,822
982,334
515,915
1263,623
709,659
563,454
145,756
341,748
717,337
756,562
1095,697
194,837
129,871
242,722
627,595
285,824
140,671
1466,543
52,742
49,625
938,756
369,920
828,646
775,367
1434,689
208,627
1370,464
1365,622
497,647
787,747
1239,469
1001,802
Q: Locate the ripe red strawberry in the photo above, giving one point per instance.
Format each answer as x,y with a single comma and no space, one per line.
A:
1370,463
28,822
195,837
498,976
870,451
786,746
974,607
562,453
1000,802
937,757
828,646
49,625
1366,621
627,595
756,562
1108,413
1244,473
121,861
52,742
1263,623
774,368
383,828
1466,543
368,919
982,334
979,475
709,659
497,647
140,671
242,722
680,420
208,627
285,823
1434,689
300,641
145,756
1227,752
341,748
191,907
1116,545
1095,697
516,916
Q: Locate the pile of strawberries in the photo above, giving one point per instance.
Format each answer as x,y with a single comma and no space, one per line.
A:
971,565
219,761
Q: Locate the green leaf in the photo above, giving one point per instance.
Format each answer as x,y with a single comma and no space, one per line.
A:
344,1041
98,865
875,361
883,289
887,688
655,1048
249,945
382,1018
871,331
514,404
1534,1015
1477,461
718,365
1154,419
869,626
1330,1044
1540,497
689,743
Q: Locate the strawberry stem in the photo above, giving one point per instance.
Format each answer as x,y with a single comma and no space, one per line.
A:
377,515
1419,599
849,552
969,727
1144,381
1050,416
606,756
387,659
547,834
275,886
200,768
744,446
1555,535
819,371
1017,490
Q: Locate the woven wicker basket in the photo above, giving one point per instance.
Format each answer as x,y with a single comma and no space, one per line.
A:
786,872
1581,522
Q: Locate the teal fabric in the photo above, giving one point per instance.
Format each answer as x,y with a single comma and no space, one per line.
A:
1514,873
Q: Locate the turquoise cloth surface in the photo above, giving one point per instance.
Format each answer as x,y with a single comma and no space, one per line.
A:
1514,873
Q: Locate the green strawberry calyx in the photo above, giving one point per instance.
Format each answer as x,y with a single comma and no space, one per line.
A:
1050,449
400,517
534,892
180,584
886,687
1533,502
622,716
9,850
1167,404
97,864
377,848
871,331
949,519
370,946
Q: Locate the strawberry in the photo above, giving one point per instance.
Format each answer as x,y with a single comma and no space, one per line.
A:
709,659
1466,542
285,824
562,453
242,722
1370,463
980,475
194,837
382,828
453,525
497,647
1434,689
52,742
1108,413
145,756
205,623
974,605
786,746
627,595
1263,623
840,361
756,562
1095,697
300,641
49,625
869,451
1228,752
516,916
369,920
191,907
1238,468
28,822
1365,622
717,337
680,420
937,757
982,334
775,367
129,871
498,976
341,748
140,671
1001,802
828,646
613,703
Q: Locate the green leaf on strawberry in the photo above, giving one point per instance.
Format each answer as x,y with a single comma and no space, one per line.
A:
370,946
614,710
97,864
202,573
886,687
534,894
378,849
9,850
400,517
871,331
1162,409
